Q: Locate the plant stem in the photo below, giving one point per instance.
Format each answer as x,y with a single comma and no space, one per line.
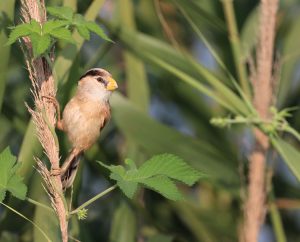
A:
277,223
93,199
255,207
39,204
236,45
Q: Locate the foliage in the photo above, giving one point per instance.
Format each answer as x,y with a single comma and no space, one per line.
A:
9,179
156,173
43,36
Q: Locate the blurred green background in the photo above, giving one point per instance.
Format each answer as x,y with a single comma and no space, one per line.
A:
166,98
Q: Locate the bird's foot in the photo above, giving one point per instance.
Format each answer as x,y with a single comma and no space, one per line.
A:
53,100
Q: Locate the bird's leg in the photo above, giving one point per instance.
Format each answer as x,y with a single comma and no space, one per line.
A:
59,123
65,166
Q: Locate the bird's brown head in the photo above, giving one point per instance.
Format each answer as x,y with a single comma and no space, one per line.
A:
102,77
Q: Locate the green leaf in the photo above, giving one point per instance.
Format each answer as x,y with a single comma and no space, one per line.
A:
164,186
83,31
185,67
40,43
201,16
171,166
78,19
35,27
289,60
19,31
65,13
22,30
63,34
62,64
54,24
92,26
156,174
290,155
9,180
128,187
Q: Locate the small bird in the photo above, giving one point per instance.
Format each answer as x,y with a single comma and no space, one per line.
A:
84,117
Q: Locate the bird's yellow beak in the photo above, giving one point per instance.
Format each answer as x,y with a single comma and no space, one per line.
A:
112,84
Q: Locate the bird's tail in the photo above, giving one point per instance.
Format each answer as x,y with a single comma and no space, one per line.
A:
67,178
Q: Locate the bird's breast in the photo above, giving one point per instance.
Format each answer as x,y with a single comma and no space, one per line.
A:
82,121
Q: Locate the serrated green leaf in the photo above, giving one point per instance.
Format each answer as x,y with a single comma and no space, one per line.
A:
156,173
54,24
65,13
63,34
19,31
78,19
171,166
83,31
128,187
130,163
97,30
35,27
17,187
164,186
9,181
40,43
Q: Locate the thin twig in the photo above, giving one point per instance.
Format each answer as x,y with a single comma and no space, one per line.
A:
93,199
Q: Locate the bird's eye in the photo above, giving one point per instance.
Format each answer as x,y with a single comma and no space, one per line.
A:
100,79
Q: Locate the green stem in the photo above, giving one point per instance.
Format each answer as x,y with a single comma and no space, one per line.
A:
236,45
277,223
93,199
39,204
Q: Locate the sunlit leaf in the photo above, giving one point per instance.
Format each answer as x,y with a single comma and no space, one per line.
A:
157,174
65,13
92,26
40,43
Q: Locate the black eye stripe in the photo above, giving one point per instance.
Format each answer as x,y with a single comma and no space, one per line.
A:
102,80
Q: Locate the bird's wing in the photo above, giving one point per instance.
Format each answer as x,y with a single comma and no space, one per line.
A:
105,117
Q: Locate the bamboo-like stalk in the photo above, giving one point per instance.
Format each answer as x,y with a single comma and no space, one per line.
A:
43,114
255,206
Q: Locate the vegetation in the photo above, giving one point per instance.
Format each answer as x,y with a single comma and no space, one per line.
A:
205,91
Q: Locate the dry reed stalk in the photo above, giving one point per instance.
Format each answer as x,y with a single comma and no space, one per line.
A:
255,206
43,114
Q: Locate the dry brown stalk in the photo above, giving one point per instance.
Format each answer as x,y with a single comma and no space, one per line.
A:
255,206
43,114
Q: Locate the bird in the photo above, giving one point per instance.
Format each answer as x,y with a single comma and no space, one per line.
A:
83,118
